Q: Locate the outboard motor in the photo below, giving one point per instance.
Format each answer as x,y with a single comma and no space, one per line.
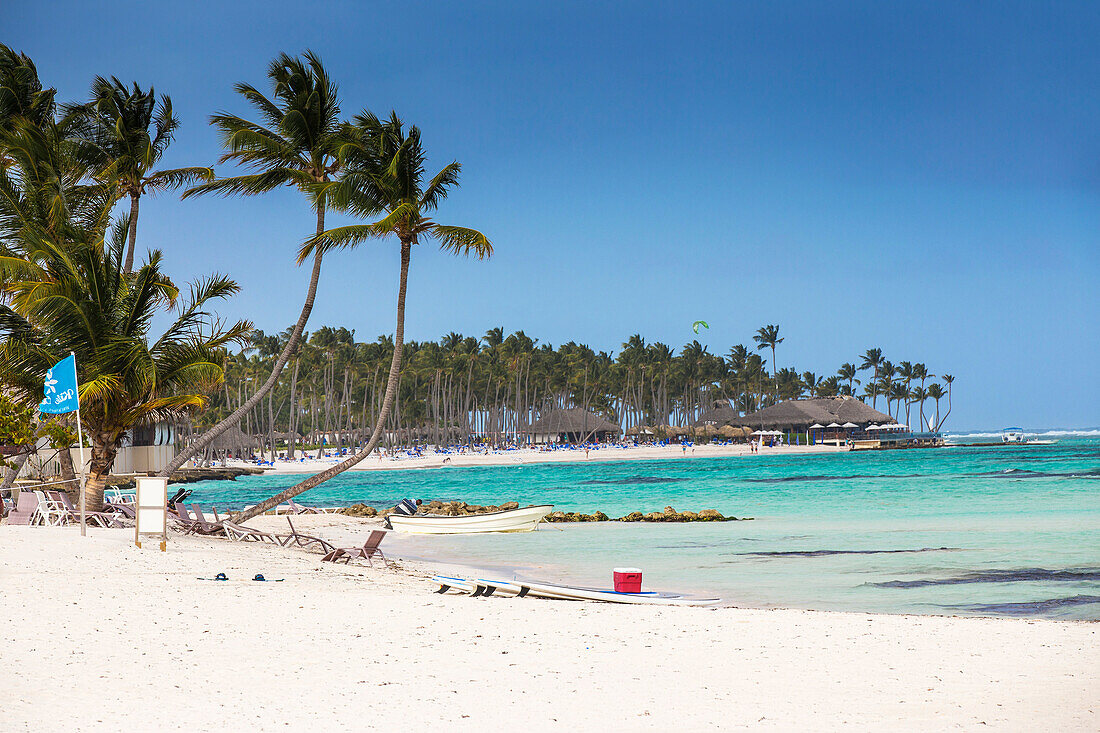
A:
405,506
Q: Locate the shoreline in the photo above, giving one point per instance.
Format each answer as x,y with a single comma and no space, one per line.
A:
376,462
372,637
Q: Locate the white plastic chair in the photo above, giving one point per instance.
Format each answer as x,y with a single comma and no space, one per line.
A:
49,511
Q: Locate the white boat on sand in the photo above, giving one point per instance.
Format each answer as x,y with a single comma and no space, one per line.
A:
525,519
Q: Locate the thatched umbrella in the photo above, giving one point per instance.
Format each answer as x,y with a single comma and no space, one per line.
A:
729,432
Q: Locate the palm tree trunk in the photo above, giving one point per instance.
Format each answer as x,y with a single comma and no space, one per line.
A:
128,266
292,343
12,471
103,457
387,405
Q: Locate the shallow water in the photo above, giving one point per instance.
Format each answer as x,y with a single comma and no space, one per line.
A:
979,531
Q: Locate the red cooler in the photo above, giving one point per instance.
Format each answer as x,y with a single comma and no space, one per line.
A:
628,580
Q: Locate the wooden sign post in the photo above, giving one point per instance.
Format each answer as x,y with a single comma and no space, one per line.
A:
151,509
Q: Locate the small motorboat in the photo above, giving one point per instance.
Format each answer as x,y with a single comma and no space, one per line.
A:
509,520
1013,435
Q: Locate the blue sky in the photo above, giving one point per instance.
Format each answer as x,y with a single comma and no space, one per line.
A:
922,177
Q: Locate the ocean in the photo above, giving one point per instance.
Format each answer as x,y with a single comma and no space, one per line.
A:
1005,531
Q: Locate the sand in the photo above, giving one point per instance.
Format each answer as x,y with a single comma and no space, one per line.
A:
376,461
104,636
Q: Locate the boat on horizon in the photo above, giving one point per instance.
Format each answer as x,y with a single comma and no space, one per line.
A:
525,519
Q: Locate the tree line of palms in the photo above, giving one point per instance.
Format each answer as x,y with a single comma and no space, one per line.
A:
67,259
493,388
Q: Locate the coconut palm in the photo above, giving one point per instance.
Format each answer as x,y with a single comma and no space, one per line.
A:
872,359
948,380
385,176
298,144
85,303
768,337
935,392
22,95
847,372
121,135
919,396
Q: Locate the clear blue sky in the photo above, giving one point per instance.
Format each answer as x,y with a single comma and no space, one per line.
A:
923,177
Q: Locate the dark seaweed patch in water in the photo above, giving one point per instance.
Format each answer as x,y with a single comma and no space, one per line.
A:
1024,575
823,553
1022,473
636,480
785,479
1031,608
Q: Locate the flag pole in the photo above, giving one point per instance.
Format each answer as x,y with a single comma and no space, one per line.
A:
80,443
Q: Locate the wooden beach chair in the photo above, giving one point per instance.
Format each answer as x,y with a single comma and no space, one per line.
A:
239,533
369,550
201,526
306,541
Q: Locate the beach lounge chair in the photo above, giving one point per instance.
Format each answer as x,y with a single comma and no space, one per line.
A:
367,551
247,534
26,509
196,524
306,541
103,519
296,508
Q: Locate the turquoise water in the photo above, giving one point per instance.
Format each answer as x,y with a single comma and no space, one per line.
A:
973,531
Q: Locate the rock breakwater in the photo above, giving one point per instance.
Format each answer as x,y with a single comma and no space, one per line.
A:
462,509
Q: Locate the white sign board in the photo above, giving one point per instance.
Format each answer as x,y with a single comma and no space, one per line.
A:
151,509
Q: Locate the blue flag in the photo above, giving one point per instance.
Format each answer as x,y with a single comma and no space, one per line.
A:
60,388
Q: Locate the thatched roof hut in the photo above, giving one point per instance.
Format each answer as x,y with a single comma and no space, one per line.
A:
233,439
572,425
799,415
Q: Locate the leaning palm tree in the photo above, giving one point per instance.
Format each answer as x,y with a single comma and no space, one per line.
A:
123,133
948,380
83,302
385,176
919,396
935,392
298,144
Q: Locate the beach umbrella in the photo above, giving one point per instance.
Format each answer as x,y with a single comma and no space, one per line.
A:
834,425
849,425
873,427
816,426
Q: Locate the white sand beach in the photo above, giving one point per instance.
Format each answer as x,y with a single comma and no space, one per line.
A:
104,636
379,461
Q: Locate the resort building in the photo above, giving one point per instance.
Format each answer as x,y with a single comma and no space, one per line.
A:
799,416
575,425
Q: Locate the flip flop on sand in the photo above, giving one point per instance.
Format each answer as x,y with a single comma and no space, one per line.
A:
262,578
219,576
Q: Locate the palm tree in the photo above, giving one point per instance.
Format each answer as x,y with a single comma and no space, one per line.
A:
768,337
115,141
300,144
22,96
920,395
385,177
872,359
935,392
85,303
847,372
948,380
